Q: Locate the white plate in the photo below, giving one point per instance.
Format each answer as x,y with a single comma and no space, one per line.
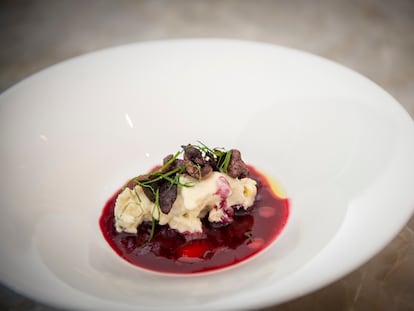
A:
72,134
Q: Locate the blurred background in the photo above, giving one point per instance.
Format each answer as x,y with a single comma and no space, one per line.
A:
375,38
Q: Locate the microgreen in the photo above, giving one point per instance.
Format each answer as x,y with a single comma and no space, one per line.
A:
154,219
248,235
137,194
224,161
223,157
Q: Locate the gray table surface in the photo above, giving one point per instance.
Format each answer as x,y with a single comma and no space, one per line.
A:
375,38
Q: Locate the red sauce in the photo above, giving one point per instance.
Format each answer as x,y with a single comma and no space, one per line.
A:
169,251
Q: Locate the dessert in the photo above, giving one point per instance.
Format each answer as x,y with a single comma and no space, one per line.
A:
203,209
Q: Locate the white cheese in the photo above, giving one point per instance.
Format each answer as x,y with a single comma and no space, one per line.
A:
213,196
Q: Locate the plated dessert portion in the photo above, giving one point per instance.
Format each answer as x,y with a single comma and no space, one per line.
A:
203,209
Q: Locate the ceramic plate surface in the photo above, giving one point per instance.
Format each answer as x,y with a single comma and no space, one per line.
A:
71,135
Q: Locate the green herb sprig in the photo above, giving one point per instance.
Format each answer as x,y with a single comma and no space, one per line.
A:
153,219
249,236
223,156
